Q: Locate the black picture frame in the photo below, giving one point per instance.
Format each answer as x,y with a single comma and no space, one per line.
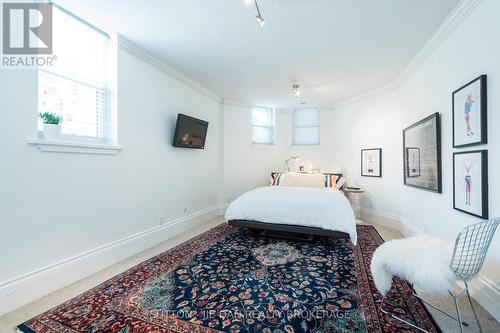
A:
379,151
435,170
484,183
483,137
409,173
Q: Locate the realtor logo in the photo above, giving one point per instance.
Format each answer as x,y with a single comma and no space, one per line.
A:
27,28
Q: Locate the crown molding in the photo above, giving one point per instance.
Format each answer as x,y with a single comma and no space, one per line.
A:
365,95
127,46
461,11
234,102
457,16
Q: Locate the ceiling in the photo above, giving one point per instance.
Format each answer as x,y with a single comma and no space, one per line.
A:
335,49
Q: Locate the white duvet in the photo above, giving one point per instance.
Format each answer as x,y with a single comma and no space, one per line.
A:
325,208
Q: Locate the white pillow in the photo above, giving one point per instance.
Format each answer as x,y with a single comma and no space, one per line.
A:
340,182
304,180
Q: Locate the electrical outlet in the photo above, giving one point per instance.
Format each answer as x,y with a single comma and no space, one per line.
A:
162,220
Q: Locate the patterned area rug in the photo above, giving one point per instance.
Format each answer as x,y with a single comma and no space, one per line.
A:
232,280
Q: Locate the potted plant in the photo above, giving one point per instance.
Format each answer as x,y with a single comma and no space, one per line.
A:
51,125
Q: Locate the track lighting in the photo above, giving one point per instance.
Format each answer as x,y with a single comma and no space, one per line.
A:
297,93
260,20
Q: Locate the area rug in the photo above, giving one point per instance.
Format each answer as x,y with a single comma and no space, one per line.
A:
232,280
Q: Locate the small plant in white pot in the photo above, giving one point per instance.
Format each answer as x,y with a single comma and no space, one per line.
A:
51,125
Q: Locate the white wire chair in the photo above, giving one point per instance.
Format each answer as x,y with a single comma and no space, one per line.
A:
471,247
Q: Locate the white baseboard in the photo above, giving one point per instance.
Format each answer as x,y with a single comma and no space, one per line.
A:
376,217
223,208
24,289
408,229
482,289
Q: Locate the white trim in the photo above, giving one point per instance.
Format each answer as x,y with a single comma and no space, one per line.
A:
487,294
461,11
241,104
223,208
26,288
483,290
378,217
74,147
127,46
371,93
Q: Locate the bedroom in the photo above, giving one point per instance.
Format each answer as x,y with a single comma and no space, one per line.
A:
323,88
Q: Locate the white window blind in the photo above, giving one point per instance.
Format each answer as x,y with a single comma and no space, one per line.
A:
305,127
263,126
76,86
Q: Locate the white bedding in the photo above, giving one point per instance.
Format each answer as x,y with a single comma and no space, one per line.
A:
325,208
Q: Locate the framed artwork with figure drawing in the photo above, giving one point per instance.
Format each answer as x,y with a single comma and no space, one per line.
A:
470,114
371,162
470,182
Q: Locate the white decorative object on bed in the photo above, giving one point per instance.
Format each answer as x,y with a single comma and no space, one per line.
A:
325,208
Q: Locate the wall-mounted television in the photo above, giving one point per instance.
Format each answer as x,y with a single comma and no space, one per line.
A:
190,132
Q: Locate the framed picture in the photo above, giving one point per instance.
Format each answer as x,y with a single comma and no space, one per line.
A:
413,161
371,162
470,182
422,154
470,114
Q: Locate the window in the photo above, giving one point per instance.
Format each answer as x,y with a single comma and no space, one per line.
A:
263,126
76,86
305,127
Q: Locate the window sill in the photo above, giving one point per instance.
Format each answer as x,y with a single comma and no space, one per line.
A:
312,147
261,146
74,147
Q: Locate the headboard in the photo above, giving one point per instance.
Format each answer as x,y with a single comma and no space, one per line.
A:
324,173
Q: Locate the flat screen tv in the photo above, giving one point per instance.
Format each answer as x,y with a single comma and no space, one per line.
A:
190,132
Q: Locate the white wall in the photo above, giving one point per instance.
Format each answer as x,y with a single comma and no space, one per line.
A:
54,206
247,166
378,122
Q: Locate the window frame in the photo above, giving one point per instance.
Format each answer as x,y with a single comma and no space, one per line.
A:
105,124
271,127
318,126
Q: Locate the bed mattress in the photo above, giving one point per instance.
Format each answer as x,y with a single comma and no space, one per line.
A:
325,208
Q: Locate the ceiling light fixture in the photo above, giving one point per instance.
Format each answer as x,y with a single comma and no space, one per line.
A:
297,93
260,20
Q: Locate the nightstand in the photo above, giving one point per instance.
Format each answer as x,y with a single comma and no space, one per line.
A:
355,193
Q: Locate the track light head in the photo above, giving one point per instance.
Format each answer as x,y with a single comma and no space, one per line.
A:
260,20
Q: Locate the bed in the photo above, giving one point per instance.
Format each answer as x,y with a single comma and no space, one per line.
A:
304,210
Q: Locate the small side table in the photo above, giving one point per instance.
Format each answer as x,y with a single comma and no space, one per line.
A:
355,192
